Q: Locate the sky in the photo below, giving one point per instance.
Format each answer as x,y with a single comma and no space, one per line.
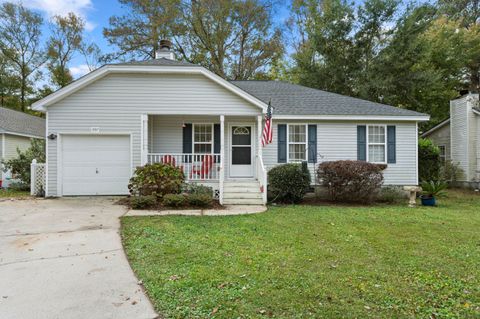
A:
96,14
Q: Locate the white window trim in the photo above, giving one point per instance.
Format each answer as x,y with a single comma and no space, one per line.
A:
384,143
202,143
297,143
444,156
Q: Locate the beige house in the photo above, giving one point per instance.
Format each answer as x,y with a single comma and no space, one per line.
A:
16,131
459,137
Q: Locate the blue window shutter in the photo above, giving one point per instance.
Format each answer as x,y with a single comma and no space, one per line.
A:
391,144
187,139
216,138
312,143
282,143
361,143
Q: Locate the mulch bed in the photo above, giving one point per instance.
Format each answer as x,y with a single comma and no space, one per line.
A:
126,202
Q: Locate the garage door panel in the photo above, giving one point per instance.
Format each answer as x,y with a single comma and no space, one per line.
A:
95,164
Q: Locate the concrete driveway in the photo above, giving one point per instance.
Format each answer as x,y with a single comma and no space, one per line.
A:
63,258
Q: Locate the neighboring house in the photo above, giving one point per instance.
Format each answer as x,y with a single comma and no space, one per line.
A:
16,131
124,115
459,137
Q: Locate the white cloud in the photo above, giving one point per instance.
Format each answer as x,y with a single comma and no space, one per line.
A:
63,7
79,70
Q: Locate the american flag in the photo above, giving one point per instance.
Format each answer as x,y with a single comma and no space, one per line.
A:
267,135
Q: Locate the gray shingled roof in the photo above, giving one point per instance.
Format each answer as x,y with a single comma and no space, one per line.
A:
21,123
158,62
292,99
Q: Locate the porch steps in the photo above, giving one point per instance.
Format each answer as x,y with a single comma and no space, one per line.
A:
242,192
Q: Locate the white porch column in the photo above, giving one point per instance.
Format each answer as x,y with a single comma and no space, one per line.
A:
259,134
222,156
144,139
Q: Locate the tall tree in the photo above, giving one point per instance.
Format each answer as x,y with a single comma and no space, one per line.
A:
372,35
137,34
234,39
66,39
20,43
9,84
326,58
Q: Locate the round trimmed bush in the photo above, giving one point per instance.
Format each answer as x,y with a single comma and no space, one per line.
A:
200,200
288,183
156,179
351,181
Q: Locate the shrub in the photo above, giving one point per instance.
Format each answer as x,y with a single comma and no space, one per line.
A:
355,181
391,195
19,186
200,200
193,188
428,160
434,188
288,183
143,202
451,172
156,179
174,200
20,166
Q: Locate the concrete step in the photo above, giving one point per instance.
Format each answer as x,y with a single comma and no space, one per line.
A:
242,195
241,184
242,201
229,189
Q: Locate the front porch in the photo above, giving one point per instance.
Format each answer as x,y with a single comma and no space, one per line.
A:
210,150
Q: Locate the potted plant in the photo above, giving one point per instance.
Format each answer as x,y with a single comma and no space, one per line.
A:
431,190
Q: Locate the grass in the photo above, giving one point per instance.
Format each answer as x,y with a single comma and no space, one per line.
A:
10,193
304,261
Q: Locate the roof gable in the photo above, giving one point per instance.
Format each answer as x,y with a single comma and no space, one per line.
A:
160,66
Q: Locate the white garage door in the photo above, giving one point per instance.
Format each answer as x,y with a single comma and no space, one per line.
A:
95,164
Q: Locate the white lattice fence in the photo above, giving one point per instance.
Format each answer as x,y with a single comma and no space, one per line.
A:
38,176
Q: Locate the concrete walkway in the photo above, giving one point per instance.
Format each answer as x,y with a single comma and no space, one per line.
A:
63,258
229,210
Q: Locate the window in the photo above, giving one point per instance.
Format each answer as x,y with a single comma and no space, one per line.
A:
376,144
297,143
443,153
202,138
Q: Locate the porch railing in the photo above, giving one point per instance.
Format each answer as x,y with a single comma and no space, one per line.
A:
195,166
262,178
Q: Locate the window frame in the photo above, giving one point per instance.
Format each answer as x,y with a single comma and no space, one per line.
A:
297,143
443,158
384,144
203,143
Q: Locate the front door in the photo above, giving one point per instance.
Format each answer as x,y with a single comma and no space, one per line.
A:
241,157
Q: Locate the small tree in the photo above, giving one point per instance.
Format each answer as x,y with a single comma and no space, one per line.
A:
428,160
20,166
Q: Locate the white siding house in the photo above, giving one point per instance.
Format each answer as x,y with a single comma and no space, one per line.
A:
126,115
460,135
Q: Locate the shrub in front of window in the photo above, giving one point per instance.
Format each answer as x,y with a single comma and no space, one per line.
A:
288,183
200,200
156,179
143,202
174,200
351,181
428,160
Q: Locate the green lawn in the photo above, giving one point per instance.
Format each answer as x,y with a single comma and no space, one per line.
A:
304,262
8,193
